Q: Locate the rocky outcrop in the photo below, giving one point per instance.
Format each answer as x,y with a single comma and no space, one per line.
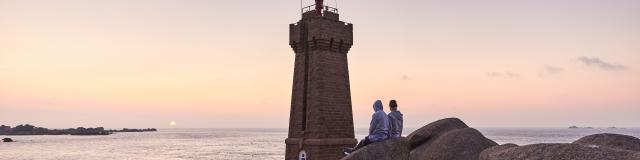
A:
491,152
616,141
594,147
463,144
452,139
28,129
557,151
433,130
393,149
445,139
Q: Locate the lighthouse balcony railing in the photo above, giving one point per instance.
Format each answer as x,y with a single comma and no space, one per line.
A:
313,7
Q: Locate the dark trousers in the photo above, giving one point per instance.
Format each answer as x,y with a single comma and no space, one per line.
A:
363,142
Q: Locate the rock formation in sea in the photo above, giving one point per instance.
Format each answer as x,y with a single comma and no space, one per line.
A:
446,139
594,147
452,139
393,149
552,151
433,130
576,127
28,129
466,143
611,140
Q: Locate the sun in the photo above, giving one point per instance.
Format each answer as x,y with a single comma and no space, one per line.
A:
172,123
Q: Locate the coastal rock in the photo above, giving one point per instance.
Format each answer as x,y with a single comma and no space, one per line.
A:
433,130
558,151
459,144
7,140
490,152
611,140
393,149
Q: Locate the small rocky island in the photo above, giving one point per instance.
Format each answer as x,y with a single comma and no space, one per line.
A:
452,139
28,129
576,127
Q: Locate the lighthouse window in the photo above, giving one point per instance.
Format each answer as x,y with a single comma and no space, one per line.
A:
303,155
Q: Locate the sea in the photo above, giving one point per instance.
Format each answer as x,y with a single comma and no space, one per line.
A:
227,144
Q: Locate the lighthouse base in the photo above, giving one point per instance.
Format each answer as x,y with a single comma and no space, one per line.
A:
317,149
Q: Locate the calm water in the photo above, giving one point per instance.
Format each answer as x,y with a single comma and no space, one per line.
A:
219,144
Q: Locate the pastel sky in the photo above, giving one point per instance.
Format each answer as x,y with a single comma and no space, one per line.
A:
227,63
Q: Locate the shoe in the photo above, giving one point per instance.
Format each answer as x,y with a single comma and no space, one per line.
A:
347,151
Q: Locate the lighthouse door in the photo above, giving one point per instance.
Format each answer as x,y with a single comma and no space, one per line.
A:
303,155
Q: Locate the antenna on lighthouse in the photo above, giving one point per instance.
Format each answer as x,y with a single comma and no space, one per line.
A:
319,7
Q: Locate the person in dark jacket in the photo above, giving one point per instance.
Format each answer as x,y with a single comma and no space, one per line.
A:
378,128
395,120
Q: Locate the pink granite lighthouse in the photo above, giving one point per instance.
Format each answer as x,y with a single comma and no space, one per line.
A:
321,120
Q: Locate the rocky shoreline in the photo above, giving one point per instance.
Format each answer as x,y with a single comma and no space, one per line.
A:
452,139
33,130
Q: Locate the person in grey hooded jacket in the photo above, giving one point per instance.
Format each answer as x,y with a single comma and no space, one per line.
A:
395,120
378,128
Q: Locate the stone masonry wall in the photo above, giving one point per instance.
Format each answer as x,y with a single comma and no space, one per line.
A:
329,117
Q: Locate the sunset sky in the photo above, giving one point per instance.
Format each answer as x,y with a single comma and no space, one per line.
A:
227,63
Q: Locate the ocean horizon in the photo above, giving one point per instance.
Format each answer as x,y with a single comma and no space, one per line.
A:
229,143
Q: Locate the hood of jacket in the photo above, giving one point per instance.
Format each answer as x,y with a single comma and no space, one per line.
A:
379,126
377,106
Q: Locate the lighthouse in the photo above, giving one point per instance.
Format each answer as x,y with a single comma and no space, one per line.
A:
321,118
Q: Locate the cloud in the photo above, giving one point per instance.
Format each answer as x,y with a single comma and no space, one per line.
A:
405,77
597,62
512,75
503,75
494,74
553,69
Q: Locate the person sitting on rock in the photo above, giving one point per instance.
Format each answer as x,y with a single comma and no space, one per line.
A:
378,129
395,120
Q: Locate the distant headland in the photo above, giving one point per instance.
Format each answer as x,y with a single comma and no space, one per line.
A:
28,129
576,127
